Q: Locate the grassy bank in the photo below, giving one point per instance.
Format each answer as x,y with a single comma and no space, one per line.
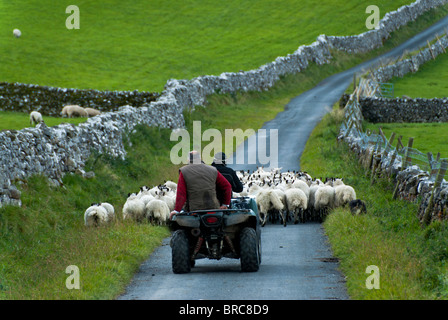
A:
411,259
141,44
47,234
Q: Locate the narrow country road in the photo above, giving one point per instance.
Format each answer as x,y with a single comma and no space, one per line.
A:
294,125
297,265
296,261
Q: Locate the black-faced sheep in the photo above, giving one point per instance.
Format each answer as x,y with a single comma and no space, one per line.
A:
157,211
297,203
99,214
324,198
267,200
134,209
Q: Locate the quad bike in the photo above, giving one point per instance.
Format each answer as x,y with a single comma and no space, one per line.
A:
214,234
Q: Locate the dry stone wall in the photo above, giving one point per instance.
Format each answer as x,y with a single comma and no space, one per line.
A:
57,150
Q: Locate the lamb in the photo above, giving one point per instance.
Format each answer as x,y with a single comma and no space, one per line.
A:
92,112
324,200
296,202
267,200
98,215
157,210
74,110
134,208
35,117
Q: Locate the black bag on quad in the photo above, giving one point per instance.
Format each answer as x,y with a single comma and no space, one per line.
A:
214,234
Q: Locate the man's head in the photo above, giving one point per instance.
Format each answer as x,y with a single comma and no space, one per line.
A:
195,157
220,158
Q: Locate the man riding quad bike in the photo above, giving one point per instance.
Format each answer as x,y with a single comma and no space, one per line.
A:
214,234
206,224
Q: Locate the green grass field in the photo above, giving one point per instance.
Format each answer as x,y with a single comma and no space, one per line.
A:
411,259
428,137
18,120
139,44
430,81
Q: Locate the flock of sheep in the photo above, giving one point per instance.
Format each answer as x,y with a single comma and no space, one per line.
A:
67,111
287,196
294,195
149,204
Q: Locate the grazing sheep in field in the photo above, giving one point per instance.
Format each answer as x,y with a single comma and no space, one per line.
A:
35,117
92,112
267,200
357,206
134,209
324,200
17,33
97,215
296,202
74,110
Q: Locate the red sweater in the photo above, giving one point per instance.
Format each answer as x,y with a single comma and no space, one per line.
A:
223,187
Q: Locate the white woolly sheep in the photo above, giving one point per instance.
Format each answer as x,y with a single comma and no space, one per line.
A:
134,209
324,198
343,195
302,185
170,184
35,117
92,112
74,110
97,215
267,200
109,208
157,210
17,33
167,198
296,202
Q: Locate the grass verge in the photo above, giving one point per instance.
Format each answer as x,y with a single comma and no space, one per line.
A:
411,259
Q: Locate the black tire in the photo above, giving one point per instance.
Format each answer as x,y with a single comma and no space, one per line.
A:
180,250
249,250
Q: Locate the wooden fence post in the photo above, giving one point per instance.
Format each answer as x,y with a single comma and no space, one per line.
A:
404,162
442,170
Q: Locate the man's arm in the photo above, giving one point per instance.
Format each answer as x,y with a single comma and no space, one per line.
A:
181,195
238,185
224,185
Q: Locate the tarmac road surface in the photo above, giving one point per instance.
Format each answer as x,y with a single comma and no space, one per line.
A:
296,261
296,265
